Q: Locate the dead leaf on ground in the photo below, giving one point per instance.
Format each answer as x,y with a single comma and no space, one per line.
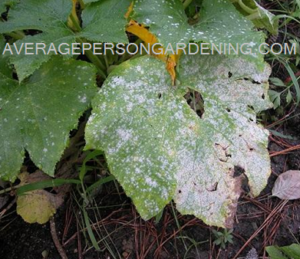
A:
287,186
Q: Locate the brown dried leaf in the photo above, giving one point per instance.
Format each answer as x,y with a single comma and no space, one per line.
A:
287,185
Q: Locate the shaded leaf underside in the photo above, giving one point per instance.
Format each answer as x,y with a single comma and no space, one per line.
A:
159,149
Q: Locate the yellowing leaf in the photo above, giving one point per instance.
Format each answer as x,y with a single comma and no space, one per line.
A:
37,206
130,8
141,32
145,35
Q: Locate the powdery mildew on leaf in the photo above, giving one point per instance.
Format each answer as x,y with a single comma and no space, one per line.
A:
219,23
233,90
159,149
39,114
166,19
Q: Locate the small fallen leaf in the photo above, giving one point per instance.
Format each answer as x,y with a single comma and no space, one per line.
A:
37,206
287,186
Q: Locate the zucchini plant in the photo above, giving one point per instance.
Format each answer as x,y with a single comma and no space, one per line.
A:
155,144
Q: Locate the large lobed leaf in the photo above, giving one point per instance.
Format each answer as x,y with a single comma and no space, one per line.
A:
37,115
219,22
159,149
103,21
48,17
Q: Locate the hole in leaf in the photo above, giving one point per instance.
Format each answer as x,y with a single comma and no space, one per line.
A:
252,81
240,172
195,101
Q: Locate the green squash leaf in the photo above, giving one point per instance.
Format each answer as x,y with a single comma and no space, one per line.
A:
219,22
5,3
44,15
25,65
159,149
38,115
89,1
49,17
2,6
5,68
166,19
105,21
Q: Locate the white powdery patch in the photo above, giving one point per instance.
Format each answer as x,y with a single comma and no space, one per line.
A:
151,182
125,134
82,99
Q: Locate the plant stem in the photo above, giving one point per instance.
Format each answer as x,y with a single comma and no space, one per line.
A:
95,60
9,189
81,4
75,22
245,7
253,16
